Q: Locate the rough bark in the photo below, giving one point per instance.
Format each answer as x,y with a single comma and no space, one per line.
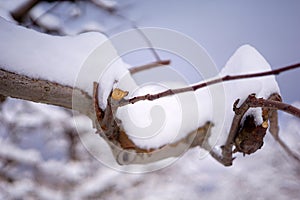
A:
43,91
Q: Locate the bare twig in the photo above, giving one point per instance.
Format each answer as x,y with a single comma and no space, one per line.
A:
273,116
149,43
149,66
252,101
274,130
287,149
169,92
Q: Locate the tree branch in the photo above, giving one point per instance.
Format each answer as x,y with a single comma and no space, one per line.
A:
235,126
23,87
169,92
149,66
43,91
254,102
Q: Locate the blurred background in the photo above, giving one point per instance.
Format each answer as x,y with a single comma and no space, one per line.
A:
41,156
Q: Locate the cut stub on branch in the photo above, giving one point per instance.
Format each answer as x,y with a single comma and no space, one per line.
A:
123,148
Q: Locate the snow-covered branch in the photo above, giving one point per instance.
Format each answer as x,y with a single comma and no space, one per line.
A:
73,72
43,91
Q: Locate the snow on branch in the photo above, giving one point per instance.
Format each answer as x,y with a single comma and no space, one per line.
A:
43,91
47,68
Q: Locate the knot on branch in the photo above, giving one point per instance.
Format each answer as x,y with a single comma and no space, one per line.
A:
109,126
118,94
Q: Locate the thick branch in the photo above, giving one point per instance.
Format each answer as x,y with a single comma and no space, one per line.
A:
42,91
169,92
23,87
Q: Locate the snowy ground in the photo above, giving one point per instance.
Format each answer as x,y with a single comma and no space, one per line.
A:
41,167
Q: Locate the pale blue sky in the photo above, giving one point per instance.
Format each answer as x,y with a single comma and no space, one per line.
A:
221,27
271,26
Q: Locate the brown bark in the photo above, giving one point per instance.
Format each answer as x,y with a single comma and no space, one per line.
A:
43,91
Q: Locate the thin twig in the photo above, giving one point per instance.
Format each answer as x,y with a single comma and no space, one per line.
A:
273,115
274,130
287,149
149,66
252,101
149,43
169,92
